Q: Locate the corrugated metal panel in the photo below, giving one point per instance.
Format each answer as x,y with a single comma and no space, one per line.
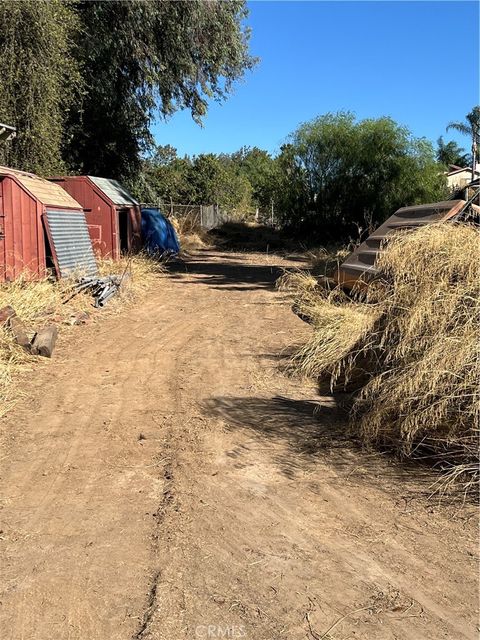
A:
71,242
48,193
360,265
114,190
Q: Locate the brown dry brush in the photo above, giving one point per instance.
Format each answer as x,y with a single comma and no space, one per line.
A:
190,233
411,346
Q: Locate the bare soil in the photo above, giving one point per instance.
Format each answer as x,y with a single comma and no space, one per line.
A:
164,479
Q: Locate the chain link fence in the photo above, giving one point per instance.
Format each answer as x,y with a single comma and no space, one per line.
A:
204,216
210,216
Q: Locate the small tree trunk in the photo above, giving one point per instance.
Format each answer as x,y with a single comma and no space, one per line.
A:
474,160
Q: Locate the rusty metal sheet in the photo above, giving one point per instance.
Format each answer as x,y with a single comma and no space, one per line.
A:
360,265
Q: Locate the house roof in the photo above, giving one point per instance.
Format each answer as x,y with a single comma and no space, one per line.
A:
460,169
48,193
114,191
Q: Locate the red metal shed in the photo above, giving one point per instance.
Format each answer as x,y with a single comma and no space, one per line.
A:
33,234
113,215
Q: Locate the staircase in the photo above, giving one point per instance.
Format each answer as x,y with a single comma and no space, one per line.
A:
359,267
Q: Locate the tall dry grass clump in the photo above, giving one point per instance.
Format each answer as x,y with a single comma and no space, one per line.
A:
190,234
418,346
340,334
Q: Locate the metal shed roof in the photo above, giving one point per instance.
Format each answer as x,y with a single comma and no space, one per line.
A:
114,191
48,193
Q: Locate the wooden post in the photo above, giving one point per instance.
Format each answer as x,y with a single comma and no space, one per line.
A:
44,341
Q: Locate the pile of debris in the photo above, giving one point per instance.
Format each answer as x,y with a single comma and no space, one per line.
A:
43,341
102,288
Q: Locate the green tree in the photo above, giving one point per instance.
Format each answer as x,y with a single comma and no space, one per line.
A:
164,177
144,59
451,153
215,181
39,81
342,173
262,172
470,128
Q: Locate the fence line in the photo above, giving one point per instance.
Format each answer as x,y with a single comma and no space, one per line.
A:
207,216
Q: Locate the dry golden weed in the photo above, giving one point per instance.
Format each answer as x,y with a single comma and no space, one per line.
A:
190,234
420,339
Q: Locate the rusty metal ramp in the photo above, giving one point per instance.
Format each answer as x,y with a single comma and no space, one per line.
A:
360,265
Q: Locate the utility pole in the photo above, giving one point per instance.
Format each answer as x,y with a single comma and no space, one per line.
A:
474,154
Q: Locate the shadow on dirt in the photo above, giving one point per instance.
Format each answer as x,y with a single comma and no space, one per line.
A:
313,432
307,427
248,237
226,273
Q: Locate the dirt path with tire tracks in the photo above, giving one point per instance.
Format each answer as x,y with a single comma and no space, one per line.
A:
163,479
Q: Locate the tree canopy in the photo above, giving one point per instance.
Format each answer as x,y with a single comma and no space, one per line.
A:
333,176
39,81
339,173
451,153
471,128
83,81
148,59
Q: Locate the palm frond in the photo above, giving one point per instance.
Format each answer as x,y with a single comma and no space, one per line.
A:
461,127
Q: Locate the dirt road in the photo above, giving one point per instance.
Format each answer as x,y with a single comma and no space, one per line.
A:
165,480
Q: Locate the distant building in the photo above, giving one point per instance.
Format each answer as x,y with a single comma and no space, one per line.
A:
458,177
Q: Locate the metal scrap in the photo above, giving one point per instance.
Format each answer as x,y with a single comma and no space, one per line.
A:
102,288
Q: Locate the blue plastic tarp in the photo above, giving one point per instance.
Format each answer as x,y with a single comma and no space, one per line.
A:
158,233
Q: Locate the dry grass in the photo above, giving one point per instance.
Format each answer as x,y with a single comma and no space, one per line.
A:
46,301
140,271
190,234
325,261
420,341
340,335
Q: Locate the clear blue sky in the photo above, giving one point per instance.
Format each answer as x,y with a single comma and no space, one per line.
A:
414,61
